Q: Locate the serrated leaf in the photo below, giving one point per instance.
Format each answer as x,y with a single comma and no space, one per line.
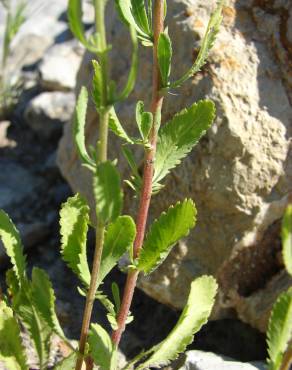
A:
40,333
164,54
67,363
119,238
79,127
164,233
133,70
101,347
207,44
124,8
195,314
144,120
117,128
279,332
177,138
12,352
97,85
12,282
43,298
287,238
107,192
13,246
74,220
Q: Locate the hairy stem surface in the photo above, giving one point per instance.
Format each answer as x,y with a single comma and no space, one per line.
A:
101,157
145,196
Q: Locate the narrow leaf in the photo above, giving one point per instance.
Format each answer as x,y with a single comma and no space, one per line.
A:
79,127
124,8
117,128
101,347
74,219
76,25
116,296
177,138
13,246
194,316
144,120
140,15
279,332
164,233
134,68
119,238
107,192
40,333
207,44
97,85
44,299
11,349
287,238
164,54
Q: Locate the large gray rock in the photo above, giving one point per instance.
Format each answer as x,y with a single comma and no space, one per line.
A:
59,66
47,112
198,360
239,174
13,175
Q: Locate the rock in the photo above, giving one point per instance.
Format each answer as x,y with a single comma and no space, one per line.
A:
48,111
4,140
240,173
16,183
59,66
198,360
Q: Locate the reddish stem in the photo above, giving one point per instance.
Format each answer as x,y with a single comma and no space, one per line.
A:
146,191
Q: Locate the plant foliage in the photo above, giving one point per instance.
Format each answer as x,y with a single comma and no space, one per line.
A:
195,314
165,233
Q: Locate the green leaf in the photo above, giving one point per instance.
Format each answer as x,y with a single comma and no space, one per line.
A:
119,238
116,296
97,85
13,246
79,127
67,363
107,192
40,332
140,15
76,25
194,316
75,20
144,120
177,138
124,8
44,299
101,347
207,44
134,68
164,54
279,332
287,238
12,282
11,349
74,220
164,233
117,128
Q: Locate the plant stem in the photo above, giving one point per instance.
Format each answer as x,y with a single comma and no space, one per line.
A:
101,157
145,196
